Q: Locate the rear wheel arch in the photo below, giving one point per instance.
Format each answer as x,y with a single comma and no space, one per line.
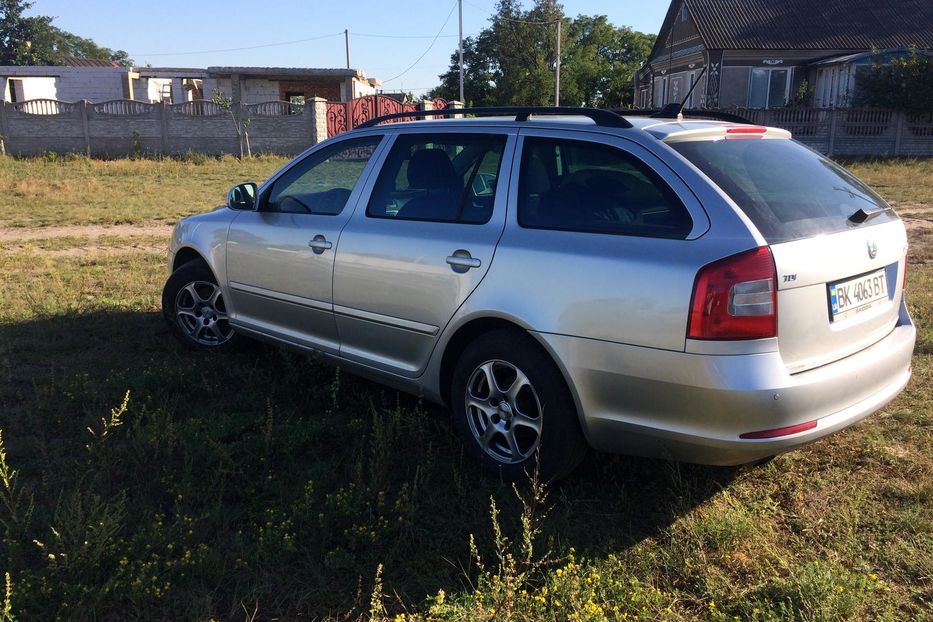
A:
485,425
458,342
477,327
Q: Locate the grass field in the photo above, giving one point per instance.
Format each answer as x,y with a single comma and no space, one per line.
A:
139,481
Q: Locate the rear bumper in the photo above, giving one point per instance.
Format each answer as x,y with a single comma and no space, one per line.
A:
693,407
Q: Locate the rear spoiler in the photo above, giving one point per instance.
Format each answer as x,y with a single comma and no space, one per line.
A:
671,110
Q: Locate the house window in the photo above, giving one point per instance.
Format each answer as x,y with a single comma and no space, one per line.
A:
768,88
684,14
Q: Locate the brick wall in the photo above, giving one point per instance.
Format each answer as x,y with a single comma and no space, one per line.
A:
69,83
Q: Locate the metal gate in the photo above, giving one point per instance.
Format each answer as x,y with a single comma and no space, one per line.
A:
343,116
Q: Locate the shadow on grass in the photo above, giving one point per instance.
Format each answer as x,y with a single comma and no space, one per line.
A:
262,477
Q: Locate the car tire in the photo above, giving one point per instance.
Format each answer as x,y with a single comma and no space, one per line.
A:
526,414
194,308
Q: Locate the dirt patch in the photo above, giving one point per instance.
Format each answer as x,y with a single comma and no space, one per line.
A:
85,251
913,223
82,231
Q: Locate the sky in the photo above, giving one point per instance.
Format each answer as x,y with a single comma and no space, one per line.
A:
387,38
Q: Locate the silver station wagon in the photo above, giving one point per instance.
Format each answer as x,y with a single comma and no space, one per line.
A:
695,289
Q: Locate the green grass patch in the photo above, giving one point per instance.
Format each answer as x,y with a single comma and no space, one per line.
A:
142,481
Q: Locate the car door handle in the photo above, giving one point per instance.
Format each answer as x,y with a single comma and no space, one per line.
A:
319,244
461,261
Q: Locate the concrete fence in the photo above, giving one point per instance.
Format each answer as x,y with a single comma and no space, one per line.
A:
125,127
853,131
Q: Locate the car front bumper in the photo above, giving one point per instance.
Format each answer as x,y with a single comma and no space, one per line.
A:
694,407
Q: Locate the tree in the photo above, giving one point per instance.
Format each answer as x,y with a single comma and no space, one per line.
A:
241,120
35,41
512,61
903,84
18,34
601,62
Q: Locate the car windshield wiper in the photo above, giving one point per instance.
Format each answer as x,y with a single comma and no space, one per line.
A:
861,215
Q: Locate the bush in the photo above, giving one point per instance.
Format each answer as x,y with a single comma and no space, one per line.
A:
904,84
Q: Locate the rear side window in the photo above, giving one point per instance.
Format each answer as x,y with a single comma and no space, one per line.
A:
591,187
788,191
439,177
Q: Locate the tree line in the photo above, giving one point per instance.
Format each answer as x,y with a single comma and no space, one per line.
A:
34,40
512,61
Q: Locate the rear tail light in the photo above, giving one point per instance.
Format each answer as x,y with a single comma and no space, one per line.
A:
735,298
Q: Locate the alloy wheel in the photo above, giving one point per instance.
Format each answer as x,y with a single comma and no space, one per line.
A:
201,313
503,411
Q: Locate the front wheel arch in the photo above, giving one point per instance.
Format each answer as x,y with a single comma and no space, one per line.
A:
195,275
186,254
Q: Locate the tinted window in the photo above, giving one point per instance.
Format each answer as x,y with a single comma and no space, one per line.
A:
787,190
441,177
584,186
322,183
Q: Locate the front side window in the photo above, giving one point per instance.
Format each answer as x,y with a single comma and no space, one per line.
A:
322,182
591,187
439,177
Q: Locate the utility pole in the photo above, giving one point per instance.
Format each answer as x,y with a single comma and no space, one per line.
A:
460,8
346,40
557,68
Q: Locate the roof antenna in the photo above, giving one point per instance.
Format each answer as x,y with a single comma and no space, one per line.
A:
676,111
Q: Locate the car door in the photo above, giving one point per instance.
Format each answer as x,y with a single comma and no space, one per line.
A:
280,258
421,245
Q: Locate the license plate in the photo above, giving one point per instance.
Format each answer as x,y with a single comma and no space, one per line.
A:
848,298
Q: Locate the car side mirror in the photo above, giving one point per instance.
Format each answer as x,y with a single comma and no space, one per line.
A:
243,196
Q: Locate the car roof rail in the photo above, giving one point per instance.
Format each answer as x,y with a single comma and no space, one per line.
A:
602,118
670,112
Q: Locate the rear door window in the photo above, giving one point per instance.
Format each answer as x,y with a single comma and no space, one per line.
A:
575,185
439,177
788,191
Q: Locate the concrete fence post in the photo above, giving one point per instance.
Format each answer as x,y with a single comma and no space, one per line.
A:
832,131
899,125
163,143
85,104
317,106
455,105
426,104
4,129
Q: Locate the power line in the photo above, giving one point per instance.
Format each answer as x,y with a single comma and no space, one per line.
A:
360,34
425,53
317,38
250,47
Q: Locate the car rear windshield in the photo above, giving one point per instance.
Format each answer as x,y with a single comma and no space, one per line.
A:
788,191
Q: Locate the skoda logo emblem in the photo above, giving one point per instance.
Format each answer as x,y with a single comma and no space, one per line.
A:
872,248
